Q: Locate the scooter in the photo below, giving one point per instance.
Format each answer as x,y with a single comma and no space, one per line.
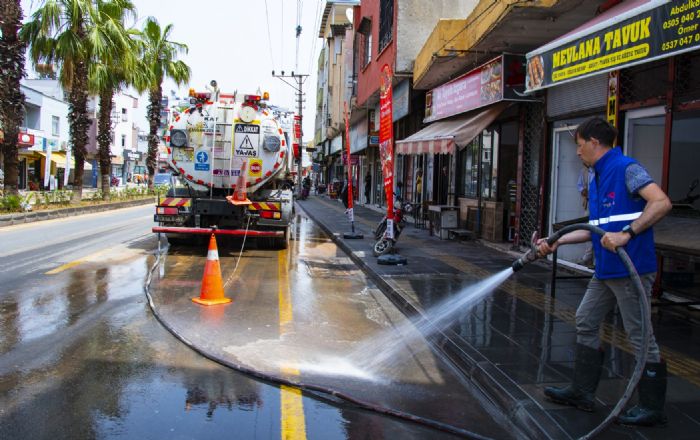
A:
399,207
384,244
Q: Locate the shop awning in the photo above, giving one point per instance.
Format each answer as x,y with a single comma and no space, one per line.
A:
441,137
59,159
630,33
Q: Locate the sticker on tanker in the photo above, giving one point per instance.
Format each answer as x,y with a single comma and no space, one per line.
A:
246,140
201,161
255,168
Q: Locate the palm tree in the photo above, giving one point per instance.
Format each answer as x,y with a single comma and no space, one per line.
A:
112,70
66,33
11,98
160,56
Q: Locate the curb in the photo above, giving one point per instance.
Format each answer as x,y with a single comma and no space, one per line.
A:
517,405
30,217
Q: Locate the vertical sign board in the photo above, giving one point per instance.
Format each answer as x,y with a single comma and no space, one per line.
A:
349,162
68,163
386,145
613,93
47,168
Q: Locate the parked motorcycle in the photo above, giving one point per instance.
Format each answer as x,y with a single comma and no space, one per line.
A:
399,206
384,244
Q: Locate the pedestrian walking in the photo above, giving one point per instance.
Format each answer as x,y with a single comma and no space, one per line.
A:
368,187
625,202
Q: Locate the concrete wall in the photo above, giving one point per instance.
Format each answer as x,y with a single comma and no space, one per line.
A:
416,19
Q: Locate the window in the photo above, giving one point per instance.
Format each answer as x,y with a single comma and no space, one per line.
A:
366,50
365,31
123,140
55,125
124,115
386,23
469,168
478,166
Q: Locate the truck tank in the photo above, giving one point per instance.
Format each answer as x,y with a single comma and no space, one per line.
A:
216,147
210,141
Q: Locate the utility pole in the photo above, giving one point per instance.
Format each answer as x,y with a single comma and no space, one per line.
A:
297,85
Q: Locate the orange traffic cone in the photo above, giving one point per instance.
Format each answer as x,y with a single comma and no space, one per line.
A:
240,196
212,292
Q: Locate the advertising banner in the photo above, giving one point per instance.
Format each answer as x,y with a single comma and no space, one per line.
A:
502,78
656,30
349,166
386,145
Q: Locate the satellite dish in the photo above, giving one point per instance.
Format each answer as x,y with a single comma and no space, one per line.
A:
348,14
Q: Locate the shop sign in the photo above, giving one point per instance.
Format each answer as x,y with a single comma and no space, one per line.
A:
25,139
613,95
374,140
500,79
400,95
358,135
354,159
658,29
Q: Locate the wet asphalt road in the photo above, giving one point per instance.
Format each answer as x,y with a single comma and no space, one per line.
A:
82,357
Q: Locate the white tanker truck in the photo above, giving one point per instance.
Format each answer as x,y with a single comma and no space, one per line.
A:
231,163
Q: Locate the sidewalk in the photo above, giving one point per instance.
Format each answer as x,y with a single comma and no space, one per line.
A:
520,338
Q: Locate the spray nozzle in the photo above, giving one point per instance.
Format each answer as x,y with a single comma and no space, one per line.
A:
529,256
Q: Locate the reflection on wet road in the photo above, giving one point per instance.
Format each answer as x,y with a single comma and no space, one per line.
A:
82,357
309,316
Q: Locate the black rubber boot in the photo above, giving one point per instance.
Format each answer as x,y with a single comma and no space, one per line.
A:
652,397
581,393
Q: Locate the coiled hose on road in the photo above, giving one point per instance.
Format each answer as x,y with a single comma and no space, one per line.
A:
629,390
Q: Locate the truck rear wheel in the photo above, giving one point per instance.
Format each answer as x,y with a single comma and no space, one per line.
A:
282,242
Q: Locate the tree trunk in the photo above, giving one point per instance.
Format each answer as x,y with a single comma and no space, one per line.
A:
11,98
154,108
104,140
79,124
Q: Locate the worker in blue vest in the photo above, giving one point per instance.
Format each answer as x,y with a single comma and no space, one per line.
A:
625,202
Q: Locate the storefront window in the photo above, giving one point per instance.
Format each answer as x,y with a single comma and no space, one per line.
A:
484,146
489,164
469,165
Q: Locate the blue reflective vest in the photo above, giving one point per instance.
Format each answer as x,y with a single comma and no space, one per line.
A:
612,208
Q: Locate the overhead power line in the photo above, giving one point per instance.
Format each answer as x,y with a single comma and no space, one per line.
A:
269,37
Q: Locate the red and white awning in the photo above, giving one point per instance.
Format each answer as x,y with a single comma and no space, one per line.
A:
442,137
432,146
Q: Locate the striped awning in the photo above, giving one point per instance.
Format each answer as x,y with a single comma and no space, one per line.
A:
432,146
443,136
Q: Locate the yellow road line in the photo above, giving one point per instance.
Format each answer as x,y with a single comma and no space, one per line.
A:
293,424
74,263
292,406
64,267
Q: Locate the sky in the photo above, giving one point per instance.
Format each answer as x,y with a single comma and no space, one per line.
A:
230,41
